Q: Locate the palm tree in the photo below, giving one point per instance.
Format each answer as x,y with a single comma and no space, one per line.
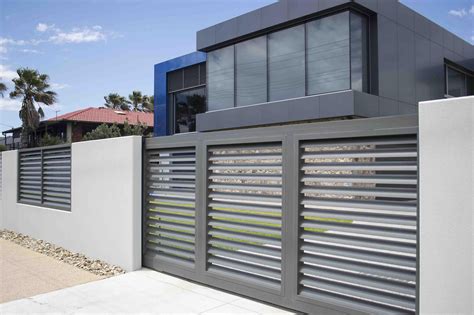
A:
3,88
33,88
115,101
148,103
136,99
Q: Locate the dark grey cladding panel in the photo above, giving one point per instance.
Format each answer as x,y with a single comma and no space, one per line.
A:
226,30
388,107
327,4
406,65
436,33
249,23
206,37
274,14
299,8
436,71
405,16
448,40
388,8
423,67
458,45
369,4
387,57
422,26
366,105
338,104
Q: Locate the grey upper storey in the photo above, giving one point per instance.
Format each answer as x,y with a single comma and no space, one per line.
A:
408,53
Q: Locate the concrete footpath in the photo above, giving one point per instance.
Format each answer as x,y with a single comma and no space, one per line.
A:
25,273
143,291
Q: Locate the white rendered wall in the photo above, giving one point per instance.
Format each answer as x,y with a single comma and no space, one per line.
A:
446,206
105,217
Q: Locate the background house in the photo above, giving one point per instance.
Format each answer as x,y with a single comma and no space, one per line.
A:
296,61
71,127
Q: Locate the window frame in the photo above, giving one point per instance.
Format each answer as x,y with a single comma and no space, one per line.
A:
172,97
466,73
367,47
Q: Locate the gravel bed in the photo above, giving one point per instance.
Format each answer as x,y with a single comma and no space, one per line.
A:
94,266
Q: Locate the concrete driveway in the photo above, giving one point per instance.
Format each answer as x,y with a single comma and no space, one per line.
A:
143,291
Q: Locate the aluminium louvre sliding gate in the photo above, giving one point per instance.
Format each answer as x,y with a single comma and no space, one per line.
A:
319,218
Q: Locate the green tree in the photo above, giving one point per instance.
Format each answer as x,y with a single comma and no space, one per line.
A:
47,140
103,131
116,101
136,99
134,130
148,103
3,88
32,87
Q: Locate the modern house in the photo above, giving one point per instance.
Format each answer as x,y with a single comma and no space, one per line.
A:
307,60
71,127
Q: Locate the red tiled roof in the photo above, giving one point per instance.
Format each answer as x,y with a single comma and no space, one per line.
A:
107,115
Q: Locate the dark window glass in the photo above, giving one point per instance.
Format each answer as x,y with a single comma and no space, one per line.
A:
191,76
328,61
251,71
175,80
220,83
458,83
202,73
187,105
359,54
286,69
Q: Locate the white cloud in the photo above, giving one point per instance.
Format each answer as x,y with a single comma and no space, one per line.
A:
43,27
77,35
31,51
9,104
59,86
6,73
459,13
471,10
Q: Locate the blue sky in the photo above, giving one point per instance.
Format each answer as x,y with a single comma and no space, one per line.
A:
90,48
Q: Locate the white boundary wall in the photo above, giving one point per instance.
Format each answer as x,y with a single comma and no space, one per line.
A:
446,206
105,217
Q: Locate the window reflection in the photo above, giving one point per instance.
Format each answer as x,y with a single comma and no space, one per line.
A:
359,57
187,105
328,54
251,71
220,82
459,83
286,69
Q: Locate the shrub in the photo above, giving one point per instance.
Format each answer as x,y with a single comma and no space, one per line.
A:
3,147
48,140
133,130
103,131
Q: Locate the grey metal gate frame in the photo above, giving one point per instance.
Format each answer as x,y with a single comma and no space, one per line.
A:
290,138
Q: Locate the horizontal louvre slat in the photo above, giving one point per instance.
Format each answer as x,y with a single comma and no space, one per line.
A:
361,204
245,237
245,256
245,227
251,279
245,207
366,192
245,267
383,218
366,255
374,166
246,217
366,293
360,279
265,250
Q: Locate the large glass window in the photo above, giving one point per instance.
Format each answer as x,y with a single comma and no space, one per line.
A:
251,71
359,53
186,105
220,82
286,69
328,54
321,56
458,83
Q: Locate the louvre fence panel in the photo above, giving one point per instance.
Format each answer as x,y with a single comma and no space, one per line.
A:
244,218
44,177
317,217
358,215
170,204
